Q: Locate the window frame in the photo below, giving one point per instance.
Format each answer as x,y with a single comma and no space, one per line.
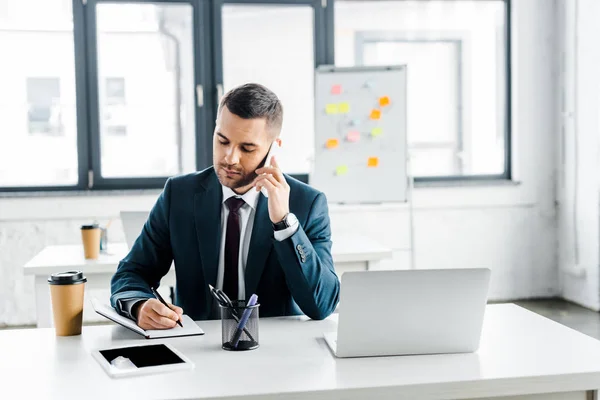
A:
80,112
363,38
208,72
506,174
201,73
322,48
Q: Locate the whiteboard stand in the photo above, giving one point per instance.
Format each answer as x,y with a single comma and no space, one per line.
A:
409,199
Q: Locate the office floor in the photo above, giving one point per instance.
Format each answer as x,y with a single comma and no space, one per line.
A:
561,311
566,313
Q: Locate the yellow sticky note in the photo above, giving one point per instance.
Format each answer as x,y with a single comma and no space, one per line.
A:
332,143
373,162
375,114
341,170
384,101
331,109
376,132
344,108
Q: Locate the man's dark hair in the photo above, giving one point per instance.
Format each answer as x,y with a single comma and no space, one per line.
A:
253,100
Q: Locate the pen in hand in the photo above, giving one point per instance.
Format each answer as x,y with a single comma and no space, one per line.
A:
159,297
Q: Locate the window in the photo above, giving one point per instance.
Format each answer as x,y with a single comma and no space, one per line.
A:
118,95
38,122
43,106
115,108
146,85
455,55
281,56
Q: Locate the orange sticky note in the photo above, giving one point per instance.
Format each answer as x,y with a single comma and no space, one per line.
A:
331,109
375,114
373,162
336,89
341,170
344,107
376,132
332,143
384,101
353,136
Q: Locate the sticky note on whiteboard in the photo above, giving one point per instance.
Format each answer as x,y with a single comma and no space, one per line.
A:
341,170
344,108
332,143
331,109
353,136
336,89
373,162
376,132
375,114
384,101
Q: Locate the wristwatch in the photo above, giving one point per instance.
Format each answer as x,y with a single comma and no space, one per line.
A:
287,221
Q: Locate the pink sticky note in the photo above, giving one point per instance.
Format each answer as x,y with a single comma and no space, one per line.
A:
336,89
353,136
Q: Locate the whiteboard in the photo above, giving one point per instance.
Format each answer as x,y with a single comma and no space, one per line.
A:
360,134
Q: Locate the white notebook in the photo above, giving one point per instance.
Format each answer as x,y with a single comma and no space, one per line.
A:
189,326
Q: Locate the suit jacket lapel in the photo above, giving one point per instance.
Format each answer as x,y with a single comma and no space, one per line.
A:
207,215
261,242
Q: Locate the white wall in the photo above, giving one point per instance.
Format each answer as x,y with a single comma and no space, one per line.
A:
508,228
578,161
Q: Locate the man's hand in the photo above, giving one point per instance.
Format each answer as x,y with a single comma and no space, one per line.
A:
278,189
152,314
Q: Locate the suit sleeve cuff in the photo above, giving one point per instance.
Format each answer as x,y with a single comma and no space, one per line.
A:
126,305
280,236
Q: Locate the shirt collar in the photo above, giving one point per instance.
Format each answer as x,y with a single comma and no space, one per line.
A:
250,197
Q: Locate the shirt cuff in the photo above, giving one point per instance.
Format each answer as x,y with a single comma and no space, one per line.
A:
126,305
280,236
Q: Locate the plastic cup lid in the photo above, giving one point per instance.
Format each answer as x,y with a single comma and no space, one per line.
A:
92,226
67,278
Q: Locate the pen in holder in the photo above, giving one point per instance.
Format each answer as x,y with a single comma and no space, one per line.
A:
239,326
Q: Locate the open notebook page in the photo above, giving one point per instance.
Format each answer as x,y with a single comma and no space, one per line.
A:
189,326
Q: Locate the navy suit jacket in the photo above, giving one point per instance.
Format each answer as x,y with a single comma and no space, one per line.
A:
185,226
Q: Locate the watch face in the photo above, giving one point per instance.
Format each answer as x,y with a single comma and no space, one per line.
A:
290,219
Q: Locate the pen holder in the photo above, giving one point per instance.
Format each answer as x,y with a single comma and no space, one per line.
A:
239,326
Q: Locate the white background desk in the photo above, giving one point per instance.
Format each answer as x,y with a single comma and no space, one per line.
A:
350,253
522,354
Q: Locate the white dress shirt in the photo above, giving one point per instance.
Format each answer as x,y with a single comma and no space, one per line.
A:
247,212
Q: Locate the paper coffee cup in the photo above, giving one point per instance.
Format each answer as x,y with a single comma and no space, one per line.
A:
66,292
90,236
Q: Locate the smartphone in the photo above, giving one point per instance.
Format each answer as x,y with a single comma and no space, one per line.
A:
273,151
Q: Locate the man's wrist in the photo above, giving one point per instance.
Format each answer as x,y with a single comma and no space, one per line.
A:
287,221
280,217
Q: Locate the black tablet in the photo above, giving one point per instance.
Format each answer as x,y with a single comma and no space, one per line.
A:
141,359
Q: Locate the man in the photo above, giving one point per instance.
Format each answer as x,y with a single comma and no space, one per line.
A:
220,230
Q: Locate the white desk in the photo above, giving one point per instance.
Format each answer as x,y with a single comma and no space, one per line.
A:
350,253
522,356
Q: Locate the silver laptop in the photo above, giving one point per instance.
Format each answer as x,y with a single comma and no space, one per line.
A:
133,222
385,313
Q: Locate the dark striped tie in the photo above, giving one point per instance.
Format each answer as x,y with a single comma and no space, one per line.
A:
232,248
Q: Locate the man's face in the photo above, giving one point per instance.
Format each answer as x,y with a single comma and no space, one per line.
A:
239,147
